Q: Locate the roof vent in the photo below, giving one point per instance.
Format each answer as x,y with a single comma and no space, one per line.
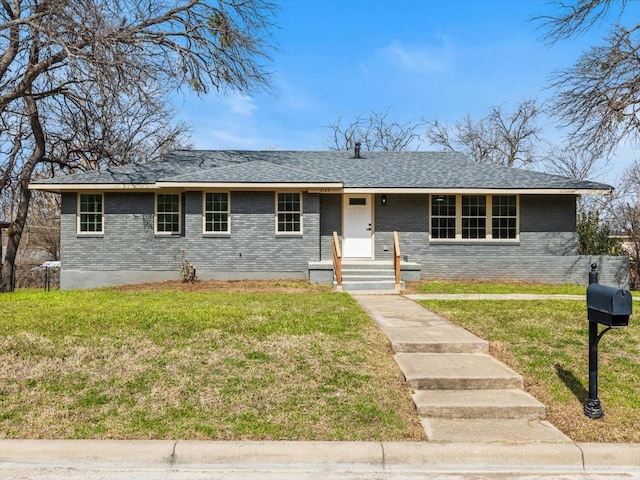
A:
356,150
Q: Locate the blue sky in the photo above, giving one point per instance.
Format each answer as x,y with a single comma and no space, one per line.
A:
420,59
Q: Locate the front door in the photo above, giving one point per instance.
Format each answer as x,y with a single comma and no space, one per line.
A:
356,238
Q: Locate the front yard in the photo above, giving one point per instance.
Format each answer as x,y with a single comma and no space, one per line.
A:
285,360
302,363
547,343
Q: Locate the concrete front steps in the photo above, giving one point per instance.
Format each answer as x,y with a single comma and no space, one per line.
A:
368,275
461,393
456,371
487,404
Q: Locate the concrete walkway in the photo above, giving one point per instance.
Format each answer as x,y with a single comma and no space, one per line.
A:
460,391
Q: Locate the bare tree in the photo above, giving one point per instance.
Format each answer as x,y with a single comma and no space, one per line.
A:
500,138
42,230
571,162
115,128
73,59
598,98
624,212
576,17
628,219
375,132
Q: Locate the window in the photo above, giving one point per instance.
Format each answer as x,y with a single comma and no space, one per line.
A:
504,216
90,213
167,213
443,216
216,212
474,217
288,213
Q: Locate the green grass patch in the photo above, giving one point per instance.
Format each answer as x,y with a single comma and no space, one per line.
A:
547,342
495,287
163,364
445,286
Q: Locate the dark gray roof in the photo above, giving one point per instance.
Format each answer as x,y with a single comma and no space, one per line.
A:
392,170
254,171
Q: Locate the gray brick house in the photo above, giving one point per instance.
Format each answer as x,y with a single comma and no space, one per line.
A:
273,214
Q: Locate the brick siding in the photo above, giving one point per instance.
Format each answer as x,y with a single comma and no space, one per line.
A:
129,251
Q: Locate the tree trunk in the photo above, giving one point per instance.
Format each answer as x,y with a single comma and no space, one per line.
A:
14,234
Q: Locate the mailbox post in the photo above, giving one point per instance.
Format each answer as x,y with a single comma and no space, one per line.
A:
608,306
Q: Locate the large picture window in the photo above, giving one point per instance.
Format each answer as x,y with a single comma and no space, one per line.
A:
216,212
167,213
288,213
474,217
90,213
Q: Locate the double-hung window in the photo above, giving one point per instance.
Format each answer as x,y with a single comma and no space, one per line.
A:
289,212
91,213
504,216
443,216
474,217
168,213
216,212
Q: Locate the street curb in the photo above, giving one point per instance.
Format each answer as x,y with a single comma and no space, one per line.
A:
290,455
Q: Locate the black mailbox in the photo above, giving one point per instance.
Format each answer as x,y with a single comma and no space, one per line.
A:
609,306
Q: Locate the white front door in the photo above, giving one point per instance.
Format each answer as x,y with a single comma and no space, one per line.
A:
356,237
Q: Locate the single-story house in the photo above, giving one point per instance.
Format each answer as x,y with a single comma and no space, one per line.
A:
290,214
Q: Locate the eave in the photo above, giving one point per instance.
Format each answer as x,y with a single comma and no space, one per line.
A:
94,187
332,187
478,191
114,187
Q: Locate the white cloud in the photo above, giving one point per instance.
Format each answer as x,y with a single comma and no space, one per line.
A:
239,104
222,139
419,58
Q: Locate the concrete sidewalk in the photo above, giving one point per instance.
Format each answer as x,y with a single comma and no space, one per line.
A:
499,296
142,460
493,296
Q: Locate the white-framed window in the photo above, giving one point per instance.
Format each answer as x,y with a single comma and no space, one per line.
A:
217,212
474,217
504,216
443,216
90,213
168,209
288,212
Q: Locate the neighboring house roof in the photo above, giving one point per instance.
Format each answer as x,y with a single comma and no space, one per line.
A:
336,169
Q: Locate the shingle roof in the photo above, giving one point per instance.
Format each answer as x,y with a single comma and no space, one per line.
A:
254,171
375,170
